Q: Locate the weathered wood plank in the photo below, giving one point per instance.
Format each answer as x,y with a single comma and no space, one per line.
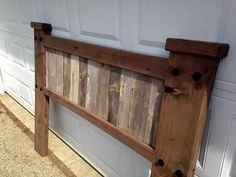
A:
92,81
59,72
114,94
139,106
66,76
103,91
74,77
126,93
153,111
55,70
83,77
51,65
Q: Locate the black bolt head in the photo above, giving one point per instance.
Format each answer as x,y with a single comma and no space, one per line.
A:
197,76
160,163
179,173
175,72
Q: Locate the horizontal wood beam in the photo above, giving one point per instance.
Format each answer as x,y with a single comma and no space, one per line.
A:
144,64
138,146
201,48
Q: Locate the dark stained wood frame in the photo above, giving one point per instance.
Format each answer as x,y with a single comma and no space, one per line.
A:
188,76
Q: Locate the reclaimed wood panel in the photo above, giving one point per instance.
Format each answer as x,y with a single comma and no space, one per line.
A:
126,99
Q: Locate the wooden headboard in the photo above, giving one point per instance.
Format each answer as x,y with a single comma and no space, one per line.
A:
156,106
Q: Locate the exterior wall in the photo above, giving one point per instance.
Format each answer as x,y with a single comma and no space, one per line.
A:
137,25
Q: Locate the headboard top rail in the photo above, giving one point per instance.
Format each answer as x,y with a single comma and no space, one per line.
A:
201,48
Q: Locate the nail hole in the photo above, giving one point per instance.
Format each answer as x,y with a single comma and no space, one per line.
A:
197,76
175,72
41,88
35,38
179,173
36,86
160,163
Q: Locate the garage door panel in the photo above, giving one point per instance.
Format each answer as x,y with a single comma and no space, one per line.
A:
15,53
10,84
24,92
29,55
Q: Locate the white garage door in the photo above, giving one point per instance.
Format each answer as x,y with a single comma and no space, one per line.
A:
137,25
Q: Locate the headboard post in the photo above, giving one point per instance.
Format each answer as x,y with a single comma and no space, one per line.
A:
188,84
41,108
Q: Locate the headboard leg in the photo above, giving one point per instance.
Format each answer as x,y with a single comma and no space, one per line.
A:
188,83
41,101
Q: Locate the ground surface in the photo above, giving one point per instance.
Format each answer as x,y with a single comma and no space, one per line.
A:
18,157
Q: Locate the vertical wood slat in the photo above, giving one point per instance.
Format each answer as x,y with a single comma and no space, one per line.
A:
51,68
83,75
59,72
102,98
114,94
66,75
74,77
139,106
92,81
126,92
153,111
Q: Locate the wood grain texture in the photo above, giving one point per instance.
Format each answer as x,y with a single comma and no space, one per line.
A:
67,83
92,82
74,77
144,64
114,94
42,101
139,106
182,116
51,71
126,93
124,98
212,50
153,111
103,91
83,75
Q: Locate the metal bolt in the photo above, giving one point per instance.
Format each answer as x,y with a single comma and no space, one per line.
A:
197,76
160,163
175,72
179,173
